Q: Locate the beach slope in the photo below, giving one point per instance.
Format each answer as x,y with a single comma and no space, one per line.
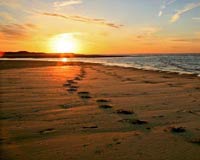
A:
86,111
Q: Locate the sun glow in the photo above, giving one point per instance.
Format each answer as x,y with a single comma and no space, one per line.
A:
64,60
64,43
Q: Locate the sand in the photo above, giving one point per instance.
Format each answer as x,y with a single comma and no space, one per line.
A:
80,111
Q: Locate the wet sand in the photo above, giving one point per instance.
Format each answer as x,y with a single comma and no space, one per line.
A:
85,111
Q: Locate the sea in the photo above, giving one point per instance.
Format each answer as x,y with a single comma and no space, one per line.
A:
178,63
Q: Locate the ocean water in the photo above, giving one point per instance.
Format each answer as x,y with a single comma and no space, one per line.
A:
182,64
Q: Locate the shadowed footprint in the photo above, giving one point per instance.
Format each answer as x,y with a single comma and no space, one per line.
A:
177,129
134,121
121,111
102,101
71,82
195,141
139,122
72,90
67,85
105,106
77,78
90,127
84,95
74,87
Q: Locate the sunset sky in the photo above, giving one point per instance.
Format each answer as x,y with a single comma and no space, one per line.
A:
100,26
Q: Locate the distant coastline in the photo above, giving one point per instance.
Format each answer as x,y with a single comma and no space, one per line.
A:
26,54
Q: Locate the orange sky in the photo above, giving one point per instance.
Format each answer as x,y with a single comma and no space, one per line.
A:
95,27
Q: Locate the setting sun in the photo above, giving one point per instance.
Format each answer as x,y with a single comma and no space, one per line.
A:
64,43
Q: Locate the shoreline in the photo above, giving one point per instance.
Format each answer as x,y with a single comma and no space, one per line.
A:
41,63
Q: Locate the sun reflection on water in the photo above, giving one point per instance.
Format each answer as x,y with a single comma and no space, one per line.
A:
64,60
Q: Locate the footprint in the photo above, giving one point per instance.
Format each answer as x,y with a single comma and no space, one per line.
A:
134,121
105,106
102,101
121,111
74,87
84,95
77,78
67,85
90,127
72,90
178,129
71,82
195,141
139,122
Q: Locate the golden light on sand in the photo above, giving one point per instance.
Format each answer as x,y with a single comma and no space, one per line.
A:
64,59
64,43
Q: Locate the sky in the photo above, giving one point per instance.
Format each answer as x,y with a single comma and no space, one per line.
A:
101,26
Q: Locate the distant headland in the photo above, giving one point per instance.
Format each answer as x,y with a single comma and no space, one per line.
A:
26,54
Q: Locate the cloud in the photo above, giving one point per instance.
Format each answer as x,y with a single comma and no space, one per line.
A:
187,8
10,3
196,18
186,40
66,3
31,26
20,31
148,32
84,19
6,17
164,5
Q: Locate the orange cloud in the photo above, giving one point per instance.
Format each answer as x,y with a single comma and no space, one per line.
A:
192,40
84,19
148,32
19,31
67,3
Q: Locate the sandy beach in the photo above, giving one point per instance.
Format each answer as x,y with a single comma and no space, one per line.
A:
80,111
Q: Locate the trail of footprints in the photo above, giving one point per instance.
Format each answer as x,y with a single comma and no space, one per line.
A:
127,116
72,85
104,104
